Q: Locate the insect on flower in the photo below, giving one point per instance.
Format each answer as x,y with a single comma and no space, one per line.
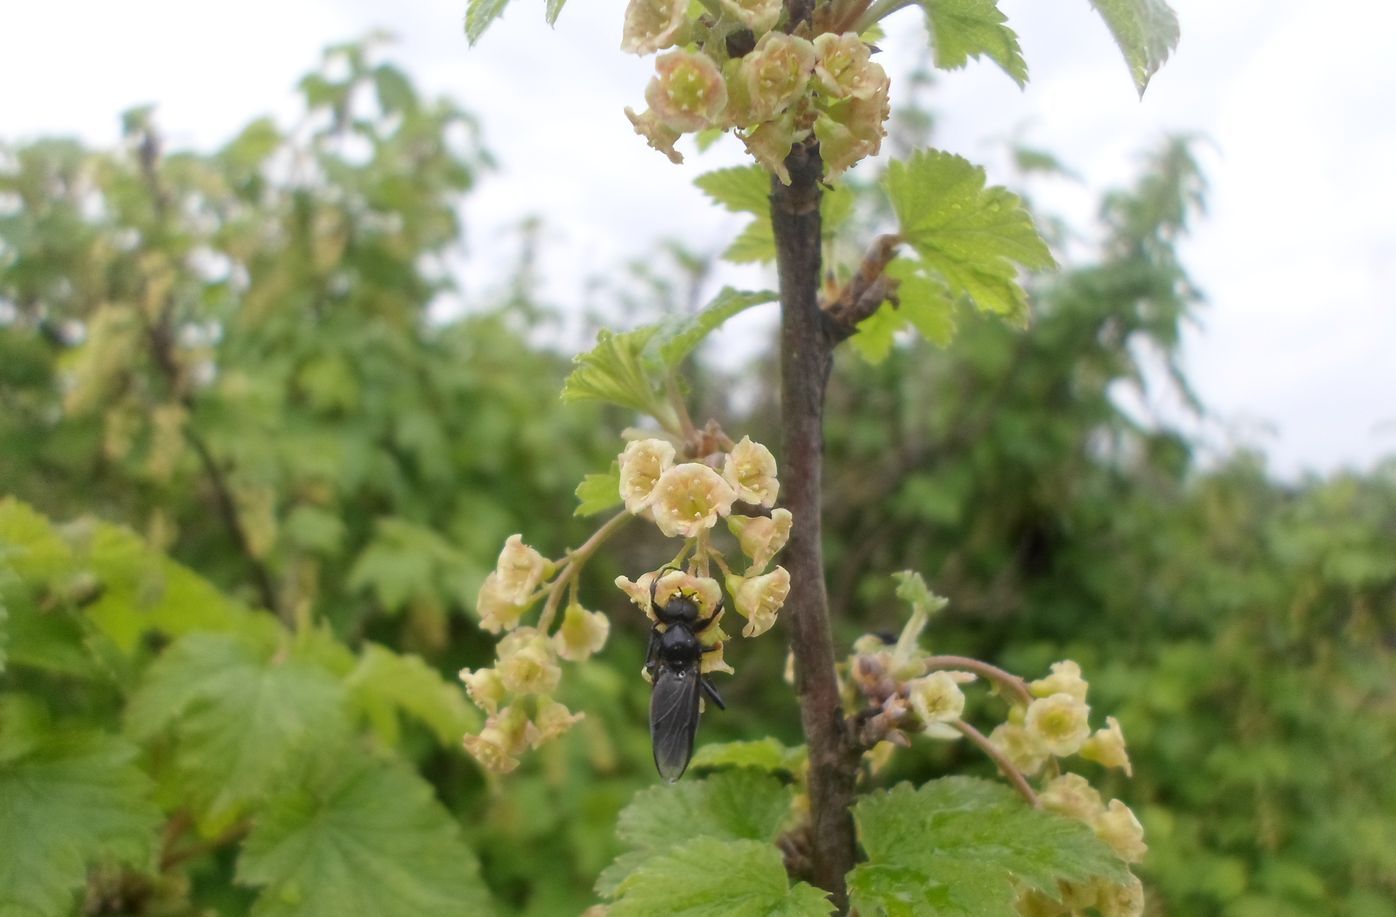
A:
674,664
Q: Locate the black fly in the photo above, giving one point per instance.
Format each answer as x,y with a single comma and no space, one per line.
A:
674,664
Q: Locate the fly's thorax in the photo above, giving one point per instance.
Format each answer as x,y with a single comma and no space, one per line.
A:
678,646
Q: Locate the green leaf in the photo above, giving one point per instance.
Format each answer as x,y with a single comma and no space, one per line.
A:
765,754
708,877
395,92
924,303
598,492
385,683
730,805
554,8
756,244
961,29
241,714
738,804
674,338
357,836
966,847
973,236
912,589
740,189
69,799
478,16
614,371
1145,30
7,581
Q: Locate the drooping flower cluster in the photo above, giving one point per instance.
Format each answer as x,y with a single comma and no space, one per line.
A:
896,694
516,692
737,72
1055,724
686,500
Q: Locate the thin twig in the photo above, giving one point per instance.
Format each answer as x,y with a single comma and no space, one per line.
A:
575,560
1015,776
1012,682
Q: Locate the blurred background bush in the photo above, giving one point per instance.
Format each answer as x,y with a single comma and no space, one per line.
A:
242,357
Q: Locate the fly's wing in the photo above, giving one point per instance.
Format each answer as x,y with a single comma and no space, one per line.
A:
674,719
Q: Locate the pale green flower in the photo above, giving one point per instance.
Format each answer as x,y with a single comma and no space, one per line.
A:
689,499
687,92
751,470
641,465
653,25
581,633
1059,723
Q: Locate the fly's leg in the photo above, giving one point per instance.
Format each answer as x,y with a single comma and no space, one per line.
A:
711,692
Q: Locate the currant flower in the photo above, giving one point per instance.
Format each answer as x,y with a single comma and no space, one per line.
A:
844,68
653,25
485,688
758,15
638,591
936,699
1022,748
551,720
751,470
1118,827
689,499
687,92
759,599
776,73
1125,900
703,590
771,143
658,135
761,537
1107,747
581,633
641,465
1065,679
1059,723
1071,795
504,737
527,663
495,606
519,570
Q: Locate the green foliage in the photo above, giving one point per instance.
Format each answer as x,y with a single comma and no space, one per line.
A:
479,14
708,877
359,836
967,847
385,685
676,337
766,755
70,799
967,234
1145,30
923,302
961,29
747,189
728,806
598,492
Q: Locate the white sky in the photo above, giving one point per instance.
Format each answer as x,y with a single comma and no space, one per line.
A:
1297,255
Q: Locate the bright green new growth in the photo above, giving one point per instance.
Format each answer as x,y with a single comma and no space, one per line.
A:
70,799
976,238
961,29
962,847
1145,30
767,755
708,877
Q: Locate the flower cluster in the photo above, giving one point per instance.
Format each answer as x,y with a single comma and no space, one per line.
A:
686,500
517,691
734,71
890,687
1055,724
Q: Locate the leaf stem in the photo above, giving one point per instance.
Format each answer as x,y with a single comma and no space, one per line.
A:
1015,776
879,10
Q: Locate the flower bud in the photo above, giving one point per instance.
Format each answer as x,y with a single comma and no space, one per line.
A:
653,25
687,92
1022,748
551,720
641,465
519,570
758,15
751,470
1118,827
485,688
1107,747
581,633
689,498
776,73
527,663
659,136
1065,679
761,537
937,698
1059,723
759,598
497,610
1072,796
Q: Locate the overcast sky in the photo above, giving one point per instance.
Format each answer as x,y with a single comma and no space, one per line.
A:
1297,255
